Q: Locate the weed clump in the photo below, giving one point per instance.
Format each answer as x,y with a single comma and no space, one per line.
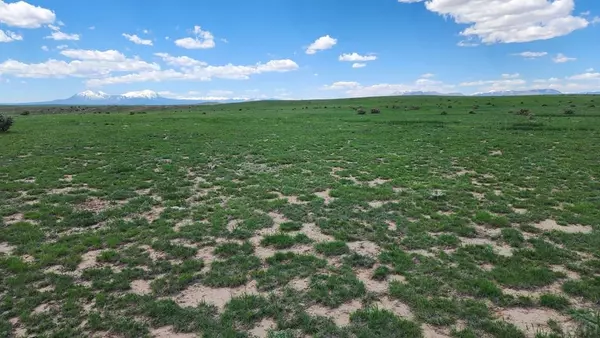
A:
569,112
5,123
361,111
375,111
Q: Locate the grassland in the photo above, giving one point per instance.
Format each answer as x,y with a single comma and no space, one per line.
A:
304,219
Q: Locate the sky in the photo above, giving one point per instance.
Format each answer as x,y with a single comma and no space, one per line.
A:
295,49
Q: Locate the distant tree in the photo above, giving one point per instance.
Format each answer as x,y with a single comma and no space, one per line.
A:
5,123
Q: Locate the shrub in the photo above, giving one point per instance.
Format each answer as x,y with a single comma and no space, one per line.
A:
444,113
5,122
375,111
25,113
524,112
131,113
361,111
471,112
569,112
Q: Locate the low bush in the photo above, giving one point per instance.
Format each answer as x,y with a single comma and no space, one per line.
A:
5,122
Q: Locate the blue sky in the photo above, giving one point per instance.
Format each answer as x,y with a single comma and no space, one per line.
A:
293,49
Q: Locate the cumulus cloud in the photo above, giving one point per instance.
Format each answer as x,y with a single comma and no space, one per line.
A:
531,55
355,57
45,48
322,43
586,76
509,21
85,64
202,40
181,61
9,36
137,40
194,70
96,55
511,76
359,65
342,85
562,58
24,15
60,36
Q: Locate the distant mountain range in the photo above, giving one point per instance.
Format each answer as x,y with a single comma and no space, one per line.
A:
151,98
140,98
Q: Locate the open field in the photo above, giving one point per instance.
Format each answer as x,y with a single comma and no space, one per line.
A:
304,219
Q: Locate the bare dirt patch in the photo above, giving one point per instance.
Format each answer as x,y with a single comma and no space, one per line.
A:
503,250
377,181
168,332
396,307
433,332
366,248
14,218
325,195
6,249
531,320
496,153
262,329
312,231
198,293
88,260
278,218
340,315
550,225
371,284
94,204
291,199
141,287
154,255
300,284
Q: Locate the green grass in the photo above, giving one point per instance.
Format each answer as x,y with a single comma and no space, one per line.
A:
94,207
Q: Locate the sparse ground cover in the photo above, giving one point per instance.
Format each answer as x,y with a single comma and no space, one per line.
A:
304,219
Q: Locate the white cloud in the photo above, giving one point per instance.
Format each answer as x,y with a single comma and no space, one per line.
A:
145,31
53,27
586,76
194,70
322,43
596,20
9,36
509,21
427,75
589,70
359,65
201,40
23,15
181,61
355,57
137,40
60,36
45,48
96,55
342,85
466,43
561,58
531,55
87,64
62,46
92,28
511,76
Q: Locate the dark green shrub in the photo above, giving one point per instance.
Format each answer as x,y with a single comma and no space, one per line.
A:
361,111
25,113
569,112
5,122
375,111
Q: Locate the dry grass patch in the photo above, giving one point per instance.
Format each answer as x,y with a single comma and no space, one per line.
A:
262,329
198,293
530,321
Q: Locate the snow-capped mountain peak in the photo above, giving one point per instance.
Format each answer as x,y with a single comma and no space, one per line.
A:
91,95
142,94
